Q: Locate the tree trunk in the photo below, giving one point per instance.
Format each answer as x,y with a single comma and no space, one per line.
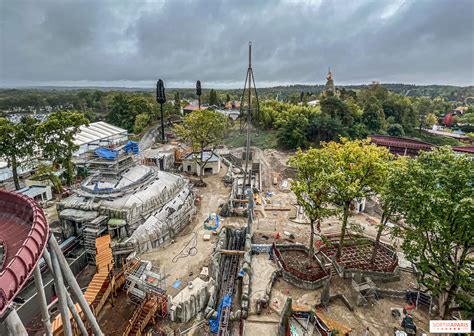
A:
377,239
14,167
201,167
345,216
444,306
69,170
311,242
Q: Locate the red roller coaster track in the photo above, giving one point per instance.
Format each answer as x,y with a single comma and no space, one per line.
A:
24,234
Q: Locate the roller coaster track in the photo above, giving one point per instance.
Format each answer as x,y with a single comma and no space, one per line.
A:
24,233
229,271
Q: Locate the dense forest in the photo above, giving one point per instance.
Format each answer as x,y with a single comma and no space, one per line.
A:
286,112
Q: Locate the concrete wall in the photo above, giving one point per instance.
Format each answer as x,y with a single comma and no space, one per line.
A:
189,302
195,167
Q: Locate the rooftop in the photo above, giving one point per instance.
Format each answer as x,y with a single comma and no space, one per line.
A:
205,157
97,131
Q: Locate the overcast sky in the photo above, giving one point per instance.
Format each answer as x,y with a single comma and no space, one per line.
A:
132,43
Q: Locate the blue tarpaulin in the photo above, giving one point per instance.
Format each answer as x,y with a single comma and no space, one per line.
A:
131,147
210,219
106,153
176,284
214,323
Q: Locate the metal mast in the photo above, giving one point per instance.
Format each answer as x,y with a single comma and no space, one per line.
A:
250,81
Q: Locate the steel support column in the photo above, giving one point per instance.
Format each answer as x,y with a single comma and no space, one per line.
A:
71,280
42,300
61,292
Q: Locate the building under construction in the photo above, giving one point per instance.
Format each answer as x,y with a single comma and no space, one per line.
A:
127,200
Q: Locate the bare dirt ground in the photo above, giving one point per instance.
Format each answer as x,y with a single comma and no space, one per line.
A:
274,222
213,195
113,319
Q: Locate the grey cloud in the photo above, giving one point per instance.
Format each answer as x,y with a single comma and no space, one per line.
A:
49,42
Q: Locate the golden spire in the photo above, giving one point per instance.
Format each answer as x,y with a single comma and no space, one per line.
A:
329,77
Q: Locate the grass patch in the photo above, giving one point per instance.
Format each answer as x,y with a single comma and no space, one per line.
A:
264,140
433,139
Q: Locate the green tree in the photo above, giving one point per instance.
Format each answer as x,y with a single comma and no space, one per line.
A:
358,170
204,130
430,120
56,137
395,130
17,142
435,196
177,103
337,109
312,187
125,108
387,202
141,121
213,100
373,115
227,98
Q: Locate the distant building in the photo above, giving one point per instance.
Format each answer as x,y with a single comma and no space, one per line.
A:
329,88
190,108
162,157
213,165
40,193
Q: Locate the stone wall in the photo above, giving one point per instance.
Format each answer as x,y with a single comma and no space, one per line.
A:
292,277
188,303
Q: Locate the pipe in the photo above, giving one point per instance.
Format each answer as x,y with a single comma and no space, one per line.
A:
70,304
42,300
70,278
14,325
76,316
61,292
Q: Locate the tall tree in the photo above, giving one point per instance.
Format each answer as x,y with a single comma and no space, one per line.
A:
373,115
177,103
204,130
213,100
359,169
312,187
56,137
125,108
17,142
435,196
387,201
141,121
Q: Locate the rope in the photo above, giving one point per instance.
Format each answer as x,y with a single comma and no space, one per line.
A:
189,249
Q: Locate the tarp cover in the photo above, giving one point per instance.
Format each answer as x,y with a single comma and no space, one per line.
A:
131,147
106,153
214,323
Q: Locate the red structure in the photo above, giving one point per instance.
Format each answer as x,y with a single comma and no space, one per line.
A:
410,147
24,233
401,146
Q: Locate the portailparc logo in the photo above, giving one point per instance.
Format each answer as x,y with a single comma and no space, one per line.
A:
451,326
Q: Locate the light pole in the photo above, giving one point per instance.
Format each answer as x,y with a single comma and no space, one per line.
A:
161,99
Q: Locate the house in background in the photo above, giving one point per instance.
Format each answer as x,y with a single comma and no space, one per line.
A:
213,165
190,108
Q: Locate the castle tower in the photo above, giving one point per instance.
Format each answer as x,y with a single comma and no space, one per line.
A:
329,88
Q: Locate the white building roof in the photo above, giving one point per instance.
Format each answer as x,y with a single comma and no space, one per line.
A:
97,131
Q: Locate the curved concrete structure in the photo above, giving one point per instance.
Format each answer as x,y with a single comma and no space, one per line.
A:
24,234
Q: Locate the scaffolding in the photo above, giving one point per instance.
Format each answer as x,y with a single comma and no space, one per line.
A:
92,230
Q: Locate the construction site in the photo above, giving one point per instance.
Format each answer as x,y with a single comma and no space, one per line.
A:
138,249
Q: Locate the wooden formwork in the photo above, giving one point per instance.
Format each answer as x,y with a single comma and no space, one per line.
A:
99,289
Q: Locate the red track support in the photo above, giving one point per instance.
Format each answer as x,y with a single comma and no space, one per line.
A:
24,232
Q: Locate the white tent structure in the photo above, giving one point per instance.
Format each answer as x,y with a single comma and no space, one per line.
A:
98,134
